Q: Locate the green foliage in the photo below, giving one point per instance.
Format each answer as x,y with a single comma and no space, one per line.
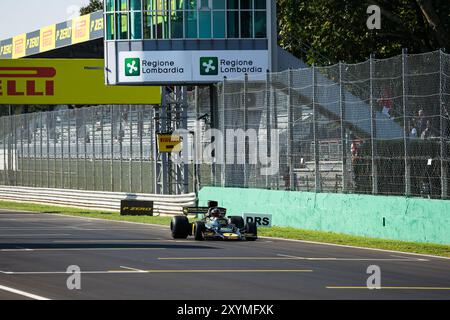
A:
94,5
329,31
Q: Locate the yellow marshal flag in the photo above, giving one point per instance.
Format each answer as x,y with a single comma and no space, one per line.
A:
66,81
169,143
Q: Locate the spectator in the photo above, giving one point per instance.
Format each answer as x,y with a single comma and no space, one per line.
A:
446,121
287,180
413,132
386,102
427,133
421,123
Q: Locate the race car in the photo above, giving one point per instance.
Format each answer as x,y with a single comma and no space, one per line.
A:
213,226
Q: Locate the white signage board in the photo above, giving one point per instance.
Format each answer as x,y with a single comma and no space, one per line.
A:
190,66
261,220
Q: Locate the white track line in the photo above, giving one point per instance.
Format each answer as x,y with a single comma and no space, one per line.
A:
132,269
23,293
403,259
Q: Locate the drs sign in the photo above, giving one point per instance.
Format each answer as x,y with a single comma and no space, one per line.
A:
261,220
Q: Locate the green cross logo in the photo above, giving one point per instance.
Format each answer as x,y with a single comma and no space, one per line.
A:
209,66
132,67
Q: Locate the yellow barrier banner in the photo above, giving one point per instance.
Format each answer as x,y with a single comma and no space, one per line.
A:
48,38
66,81
80,29
19,46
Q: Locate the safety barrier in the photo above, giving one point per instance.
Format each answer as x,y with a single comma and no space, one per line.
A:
97,200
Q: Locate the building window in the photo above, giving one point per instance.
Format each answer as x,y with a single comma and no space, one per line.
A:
186,19
110,26
122,26
135,5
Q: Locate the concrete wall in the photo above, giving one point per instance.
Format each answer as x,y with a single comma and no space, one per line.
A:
409,219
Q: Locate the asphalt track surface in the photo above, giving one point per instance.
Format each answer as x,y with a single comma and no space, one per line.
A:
132,261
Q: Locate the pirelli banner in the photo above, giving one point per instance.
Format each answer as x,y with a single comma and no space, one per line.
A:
66,81
81,29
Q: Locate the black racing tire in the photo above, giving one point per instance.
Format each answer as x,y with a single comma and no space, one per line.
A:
252,231
237,221
180,227
199,229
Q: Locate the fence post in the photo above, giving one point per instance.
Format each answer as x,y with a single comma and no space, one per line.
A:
268,124
343,138
3,127
21,128
69,138
405,126
111,153
224,142
130,125
317,178
141,145
55,173
290,131
444,147
246,155
102,146
373,130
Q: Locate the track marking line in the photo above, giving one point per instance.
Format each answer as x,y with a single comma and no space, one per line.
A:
79,249
417,259
22,293
287,257
17,250
118,240
132,269
405,259
163,271
391,288
227,258
35,235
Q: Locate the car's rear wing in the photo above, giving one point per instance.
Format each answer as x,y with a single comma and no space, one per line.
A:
201,211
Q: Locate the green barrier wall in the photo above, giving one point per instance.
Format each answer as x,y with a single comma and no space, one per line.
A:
400,218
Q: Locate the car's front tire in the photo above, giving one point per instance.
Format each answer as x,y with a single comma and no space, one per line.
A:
199,229
180,227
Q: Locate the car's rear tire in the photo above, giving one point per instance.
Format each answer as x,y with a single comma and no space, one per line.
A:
237,221
199,229
251,231
180,227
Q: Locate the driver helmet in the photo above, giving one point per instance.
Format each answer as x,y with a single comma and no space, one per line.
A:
215,213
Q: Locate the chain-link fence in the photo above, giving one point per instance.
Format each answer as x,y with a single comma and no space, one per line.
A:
377,127
104,148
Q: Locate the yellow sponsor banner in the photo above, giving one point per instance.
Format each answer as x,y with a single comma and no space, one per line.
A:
19,46
48,38
66,81
169,143
80,29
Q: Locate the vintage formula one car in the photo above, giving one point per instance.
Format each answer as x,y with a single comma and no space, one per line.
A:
214,226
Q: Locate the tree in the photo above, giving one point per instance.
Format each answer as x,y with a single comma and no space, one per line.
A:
328,31
94,5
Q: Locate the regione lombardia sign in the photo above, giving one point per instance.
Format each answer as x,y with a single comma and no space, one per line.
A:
190,66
